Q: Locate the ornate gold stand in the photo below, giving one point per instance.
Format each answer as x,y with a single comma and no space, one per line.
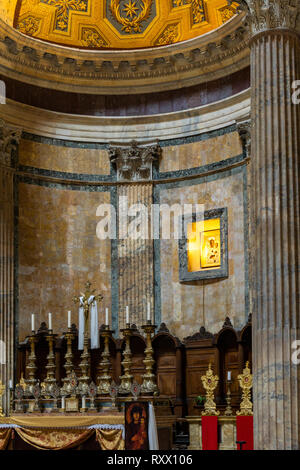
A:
104,379
245,381
210,382
84,365
2,391
31,366
50,380
66,389
149,385
85,303
126,378
228,411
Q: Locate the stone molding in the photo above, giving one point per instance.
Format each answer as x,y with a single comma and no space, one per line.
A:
143,129
134,163
9,139
265,15
211,56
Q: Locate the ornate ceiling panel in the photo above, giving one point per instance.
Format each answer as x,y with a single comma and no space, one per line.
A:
118,24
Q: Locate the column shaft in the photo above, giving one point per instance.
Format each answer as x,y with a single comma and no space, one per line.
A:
275,239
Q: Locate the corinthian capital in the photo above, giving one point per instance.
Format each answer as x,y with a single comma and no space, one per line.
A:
134,163
267,15
9,139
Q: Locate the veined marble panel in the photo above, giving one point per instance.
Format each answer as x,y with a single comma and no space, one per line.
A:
206,303
64,159
58,252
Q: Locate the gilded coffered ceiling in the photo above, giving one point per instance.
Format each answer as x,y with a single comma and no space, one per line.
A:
116,24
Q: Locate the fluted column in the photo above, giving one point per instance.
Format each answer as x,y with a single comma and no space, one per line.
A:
135,245
9,138
275,221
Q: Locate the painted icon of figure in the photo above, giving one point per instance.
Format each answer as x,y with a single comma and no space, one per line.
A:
137,433
213,251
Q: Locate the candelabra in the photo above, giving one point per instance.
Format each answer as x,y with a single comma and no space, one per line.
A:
228,410
149,383
2,391
85,301
85,367
31,366
50,367
104,379
210,382
126,378
66,389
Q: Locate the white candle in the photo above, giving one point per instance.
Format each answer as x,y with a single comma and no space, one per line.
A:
50,321
63,403
10,384
69,319
32,322
229,376
106,316
127,314
148,312
83,402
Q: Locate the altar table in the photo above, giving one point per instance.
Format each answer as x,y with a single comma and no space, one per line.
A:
61,432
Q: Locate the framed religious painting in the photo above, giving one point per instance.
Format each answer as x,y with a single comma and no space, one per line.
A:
136,426
203,251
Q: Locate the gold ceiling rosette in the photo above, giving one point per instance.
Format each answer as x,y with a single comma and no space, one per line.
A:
134,15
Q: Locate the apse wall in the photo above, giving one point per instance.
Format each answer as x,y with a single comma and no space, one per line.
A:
60,184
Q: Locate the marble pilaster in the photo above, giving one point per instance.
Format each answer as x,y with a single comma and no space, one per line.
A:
135,245
9,138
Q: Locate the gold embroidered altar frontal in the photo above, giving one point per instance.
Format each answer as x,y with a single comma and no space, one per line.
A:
63,432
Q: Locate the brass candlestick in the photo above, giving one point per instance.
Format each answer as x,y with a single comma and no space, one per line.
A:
31,366
245,381
2,391
66,389
104,379
50,367
85,300
149,382
126,378
210,382
228,410
85,366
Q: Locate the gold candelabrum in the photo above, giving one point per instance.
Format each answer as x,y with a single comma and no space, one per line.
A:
210,382
50,380
31,365
69,367
2,391
104,379
228,410
149,385
85,301
245,381
126,378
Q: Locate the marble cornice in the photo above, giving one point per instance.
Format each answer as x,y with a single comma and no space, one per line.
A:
271,15
208,57
124,129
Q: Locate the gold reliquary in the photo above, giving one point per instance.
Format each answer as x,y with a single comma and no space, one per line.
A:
203,249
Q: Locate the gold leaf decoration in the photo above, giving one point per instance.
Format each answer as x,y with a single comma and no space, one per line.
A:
29,25
90,37
132,22
169,35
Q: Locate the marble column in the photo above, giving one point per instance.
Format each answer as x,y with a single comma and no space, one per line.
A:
135,244
9,138
275,221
